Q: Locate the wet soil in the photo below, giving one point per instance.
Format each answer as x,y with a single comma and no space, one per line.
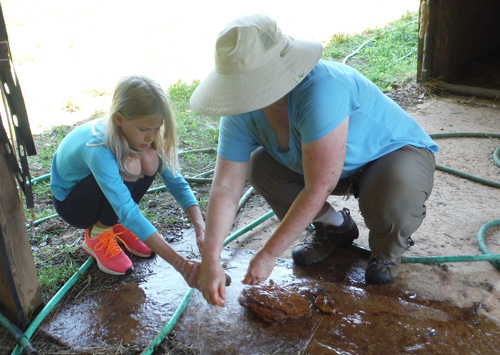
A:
368,319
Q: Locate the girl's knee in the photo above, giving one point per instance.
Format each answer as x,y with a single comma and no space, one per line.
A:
133,165
149,162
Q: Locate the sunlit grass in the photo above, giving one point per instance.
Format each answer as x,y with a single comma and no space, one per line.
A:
388,56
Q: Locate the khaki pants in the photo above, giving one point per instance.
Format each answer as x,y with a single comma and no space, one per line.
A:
391,192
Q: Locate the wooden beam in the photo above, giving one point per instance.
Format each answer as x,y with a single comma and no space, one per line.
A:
425,39
20,294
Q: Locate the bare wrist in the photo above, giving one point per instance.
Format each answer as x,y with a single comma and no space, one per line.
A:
210,258
179,263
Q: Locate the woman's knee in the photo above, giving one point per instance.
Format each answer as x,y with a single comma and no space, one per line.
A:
401,213
133,165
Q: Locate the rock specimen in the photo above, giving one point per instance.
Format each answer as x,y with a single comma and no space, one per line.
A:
325,304
274,304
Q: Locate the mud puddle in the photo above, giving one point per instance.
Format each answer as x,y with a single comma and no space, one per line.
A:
368,319
128,311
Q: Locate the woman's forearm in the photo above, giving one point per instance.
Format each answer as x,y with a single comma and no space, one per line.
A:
303,210
225,194
221,213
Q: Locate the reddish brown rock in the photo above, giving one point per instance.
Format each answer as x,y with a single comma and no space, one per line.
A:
274,304
325,304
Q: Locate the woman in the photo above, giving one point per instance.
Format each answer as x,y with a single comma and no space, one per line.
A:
302,129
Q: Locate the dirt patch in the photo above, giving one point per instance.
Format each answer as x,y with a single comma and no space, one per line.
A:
458,208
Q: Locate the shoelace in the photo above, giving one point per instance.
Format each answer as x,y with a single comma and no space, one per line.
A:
108,243
133,236
309,240
388,264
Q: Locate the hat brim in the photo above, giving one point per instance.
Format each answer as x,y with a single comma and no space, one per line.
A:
231,94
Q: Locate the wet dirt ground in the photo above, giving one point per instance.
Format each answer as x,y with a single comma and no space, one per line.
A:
368,319
446,308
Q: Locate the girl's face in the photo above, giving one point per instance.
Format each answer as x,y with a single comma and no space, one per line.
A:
139,132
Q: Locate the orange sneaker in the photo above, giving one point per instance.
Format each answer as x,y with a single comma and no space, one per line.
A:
109,256
133,244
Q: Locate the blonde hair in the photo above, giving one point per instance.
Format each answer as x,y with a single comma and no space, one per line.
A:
135,97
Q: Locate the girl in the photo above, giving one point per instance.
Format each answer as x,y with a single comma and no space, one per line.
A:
101,171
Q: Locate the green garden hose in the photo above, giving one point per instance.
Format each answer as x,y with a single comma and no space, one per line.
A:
53,302
494,259
20,337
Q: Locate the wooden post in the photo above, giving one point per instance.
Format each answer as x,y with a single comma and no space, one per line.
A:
426,39
20,294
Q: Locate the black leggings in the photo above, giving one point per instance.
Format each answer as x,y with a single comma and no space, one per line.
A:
86,204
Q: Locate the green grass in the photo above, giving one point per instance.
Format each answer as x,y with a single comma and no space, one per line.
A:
388,59
194,131
46,147
55,265
388,56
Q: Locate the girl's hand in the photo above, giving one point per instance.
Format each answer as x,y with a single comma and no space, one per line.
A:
190,270
260,267
199,240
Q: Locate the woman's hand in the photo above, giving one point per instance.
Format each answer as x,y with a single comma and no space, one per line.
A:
213,282
260,267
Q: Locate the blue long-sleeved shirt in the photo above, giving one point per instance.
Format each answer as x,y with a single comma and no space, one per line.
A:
77,157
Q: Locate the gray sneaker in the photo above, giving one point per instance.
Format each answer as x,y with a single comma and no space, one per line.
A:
381,271
320,243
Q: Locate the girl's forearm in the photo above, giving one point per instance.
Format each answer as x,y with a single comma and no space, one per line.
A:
165,251
196,219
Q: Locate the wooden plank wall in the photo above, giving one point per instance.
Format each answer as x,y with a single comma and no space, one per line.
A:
454,35
20,294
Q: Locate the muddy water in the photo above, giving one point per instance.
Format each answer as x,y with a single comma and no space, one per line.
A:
369,319
130,313
116,310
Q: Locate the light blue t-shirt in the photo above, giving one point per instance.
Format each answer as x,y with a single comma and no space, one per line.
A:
77,157
331,92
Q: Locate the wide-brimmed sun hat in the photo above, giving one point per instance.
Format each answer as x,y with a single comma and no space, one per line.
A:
255,65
